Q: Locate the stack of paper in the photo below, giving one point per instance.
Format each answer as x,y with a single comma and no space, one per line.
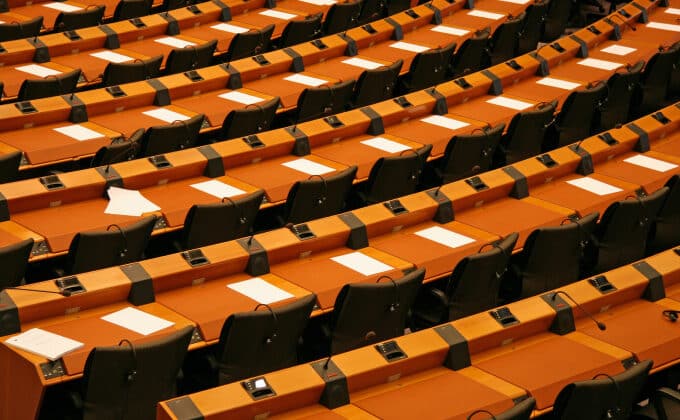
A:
407,46
62,7
228,27
362,63
240,97
305,80
112,57
558,83
618,50
166,115
128,203
362,263
308,167
386,145
444,237
260,290
44,343
450,30
137,321
485,15
38,70
651,163
78,132
217,188
174,42
278,14
600,64
594,186
664,26
444,122
509,103
320,2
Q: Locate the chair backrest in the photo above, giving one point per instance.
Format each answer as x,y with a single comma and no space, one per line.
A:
505,39
376,85
129,9
666,229
14,260
9,166
367,313
342,16
470,55
623,230
119,73
318,196
577,117
556,19
116,245
666,403
525,134
207,224
623,87
263,340
299,31
119,151
551,255
396,6
469,154
475,282
249,120
372,10
521,411
533,26
190,57
179,135
59,84
249,43
395,176
428,68
19,30
655,79
318,102
92,15
128,380
606,397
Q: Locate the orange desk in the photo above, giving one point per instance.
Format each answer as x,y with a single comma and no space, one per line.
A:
289,92
650,179
500,6
336,68
209,30
258,20
669,146
386,52
13,78
91,66
481,109
650,34
643,50
150,47
469,20
572,70
40,9
128,121
531,89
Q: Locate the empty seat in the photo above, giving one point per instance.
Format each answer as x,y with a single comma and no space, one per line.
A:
664,404
505,39
253,42
623,90
299,31
525,134
322,101
427,69
665,232
14,260
171,137
469,154
119,150
533,26
119,73
655,79
520,411
190,57
19,30
250,120
130,9
556,19
470,55
372,10
376,85
9,166
59,84
342,16
92,15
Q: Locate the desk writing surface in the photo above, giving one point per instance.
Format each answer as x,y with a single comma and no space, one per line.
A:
572,70
651,180
384,51
49,14
13,78
651,34
128,121
481,109
502,6
642,50
335,67
427,35
216,108
150,47
289,92
206,32
316,411
91,66
463,18
669,146
254,18
531,89
12,233
304,7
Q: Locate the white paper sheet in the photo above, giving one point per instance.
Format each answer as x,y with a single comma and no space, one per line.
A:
407,46
558,83
362,263
651,163
112,57
672,11
362,63
444,237
63,7
386,145
618,50
38,70
305,80
510,103
217,188
600,64
137,321
664,26
78,132
2,21
278,14
260,290
128,203
174,42
594,186
517,1
450,30
485,15
166,115
445,122
228,27
308,167
320,2
240,97
44,343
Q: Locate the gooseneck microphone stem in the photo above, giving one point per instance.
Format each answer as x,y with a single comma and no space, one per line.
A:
599,324
65,293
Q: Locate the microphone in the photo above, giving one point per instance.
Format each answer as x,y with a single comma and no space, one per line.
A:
242,219
124,250
599,324
273,335
65,293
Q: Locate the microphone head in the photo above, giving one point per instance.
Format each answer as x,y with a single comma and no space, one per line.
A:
601,326
66,293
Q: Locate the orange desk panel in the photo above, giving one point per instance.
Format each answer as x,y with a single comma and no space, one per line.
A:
643,49
302,7
659,36
572,70
384,51
532,90
150,47
258,20
207,31
465,19
669,146
500,6
130,120
39,9
91,66
651,180
289,92
480,109
426,36
673,293
336,68
13,78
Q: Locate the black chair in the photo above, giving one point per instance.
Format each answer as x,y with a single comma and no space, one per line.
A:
322,101
342,16
376,85
20,30
190,58
372,10
664,404
179,135
59,84
14,260
249,43
469,154
9,166
119,73
396,6
394,176
428,68
531,31
114,246
623,89
207,224
92,15
128,380
318,196
261,341
603,397
505,40
473,286
524,136
250,120
470,56
367,313
119,150
130,9
578,116
521,411
551,257
655,80
556,19
299,31
621,236
173,4
665,232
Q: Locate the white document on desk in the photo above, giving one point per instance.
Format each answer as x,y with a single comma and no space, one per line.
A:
485,15
308,167
128,202
600,64
444,237
278,14
664,26
78,132
260,290
362,63
386,145
450,30
506,102
174,42
407,46
305,80
651,163
320,2
240,97
444,122
217,188
362,263
44,343
137,321
558,83
38,70
112,57
618,50
63,7
594,186
228,27
165,115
